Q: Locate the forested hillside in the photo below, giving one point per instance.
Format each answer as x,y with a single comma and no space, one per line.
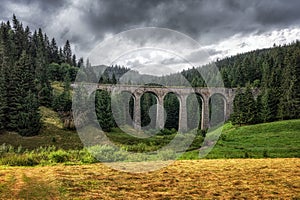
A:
29,62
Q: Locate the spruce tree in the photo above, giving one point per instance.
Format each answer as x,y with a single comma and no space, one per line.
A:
67,53
296,85
54,57
63,102
2,89
29,118
249,106
238,108
103,110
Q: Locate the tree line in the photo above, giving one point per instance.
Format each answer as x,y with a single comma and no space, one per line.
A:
29,62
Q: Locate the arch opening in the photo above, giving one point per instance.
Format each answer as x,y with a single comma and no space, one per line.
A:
148,110
171,106
194,111
217,109
122,108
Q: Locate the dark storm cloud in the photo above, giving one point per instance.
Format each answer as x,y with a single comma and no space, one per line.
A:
35,18
45,5
208,21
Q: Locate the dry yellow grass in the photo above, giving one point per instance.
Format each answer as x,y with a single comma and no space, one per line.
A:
201,179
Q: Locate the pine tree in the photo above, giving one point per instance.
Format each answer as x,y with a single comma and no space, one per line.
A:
74,62
113,79
18,85
29,118
296,85
249,106
63,102
238,108
2,89
43,85
103,110
67,53
54,57
269,105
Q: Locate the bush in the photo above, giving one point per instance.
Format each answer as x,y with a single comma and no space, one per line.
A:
266,154
168,131
59,156
20,160
166,155
86,157
107,153
201,132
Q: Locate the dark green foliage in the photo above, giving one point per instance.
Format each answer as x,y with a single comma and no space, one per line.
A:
171,105
238,105
103,110
244,107
63,102
20,87
269,105
29,118
148,113
67,53
26,75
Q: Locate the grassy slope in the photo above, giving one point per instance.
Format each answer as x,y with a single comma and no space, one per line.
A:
52,133
200,179
276,139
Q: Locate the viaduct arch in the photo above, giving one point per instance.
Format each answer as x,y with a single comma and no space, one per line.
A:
182,94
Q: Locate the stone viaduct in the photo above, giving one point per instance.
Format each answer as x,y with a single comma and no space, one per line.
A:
182,93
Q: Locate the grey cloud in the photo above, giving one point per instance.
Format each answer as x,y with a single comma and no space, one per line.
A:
205,20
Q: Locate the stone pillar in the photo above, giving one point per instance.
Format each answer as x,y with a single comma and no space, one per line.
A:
182,125
160,120
227,107
137,112
205,114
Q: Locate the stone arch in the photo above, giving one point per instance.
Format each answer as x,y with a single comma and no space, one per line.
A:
194,108
217,108
148,103
122,107
171,104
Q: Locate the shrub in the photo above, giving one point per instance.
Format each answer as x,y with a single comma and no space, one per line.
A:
107,153
137,157
20,160
246,155
266,154
59,156
167,154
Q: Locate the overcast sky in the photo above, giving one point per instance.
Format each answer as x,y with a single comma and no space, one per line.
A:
222,27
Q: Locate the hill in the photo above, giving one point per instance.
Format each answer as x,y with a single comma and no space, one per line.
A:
52,133
276,140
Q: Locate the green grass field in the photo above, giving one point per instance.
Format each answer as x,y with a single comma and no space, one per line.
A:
276,140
